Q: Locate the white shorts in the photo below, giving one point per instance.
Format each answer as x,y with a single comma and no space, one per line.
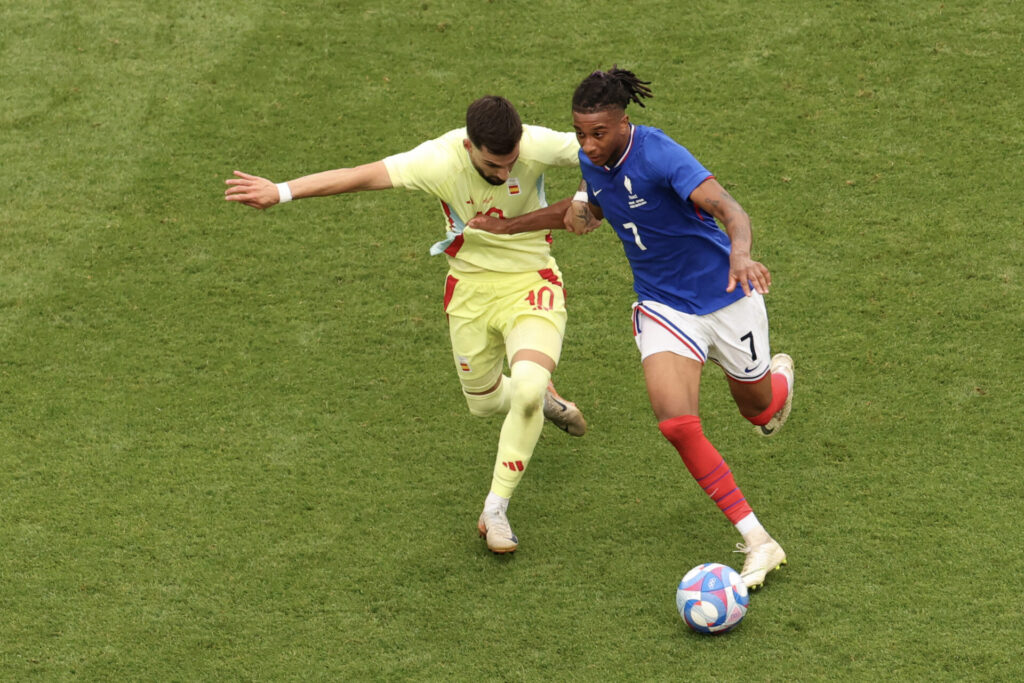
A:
735,337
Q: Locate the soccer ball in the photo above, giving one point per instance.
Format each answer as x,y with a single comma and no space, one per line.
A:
712,598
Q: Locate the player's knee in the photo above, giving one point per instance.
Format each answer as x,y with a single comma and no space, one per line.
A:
527,396
682,431
529,384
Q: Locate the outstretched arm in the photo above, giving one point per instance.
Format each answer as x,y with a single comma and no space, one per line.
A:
711,197
261,193
568,214
547,218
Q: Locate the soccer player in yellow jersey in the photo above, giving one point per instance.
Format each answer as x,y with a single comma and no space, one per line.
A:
503,295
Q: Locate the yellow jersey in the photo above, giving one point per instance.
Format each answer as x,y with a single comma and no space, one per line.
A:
442,167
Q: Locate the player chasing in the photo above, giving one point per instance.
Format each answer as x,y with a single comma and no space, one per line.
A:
699,293
503,295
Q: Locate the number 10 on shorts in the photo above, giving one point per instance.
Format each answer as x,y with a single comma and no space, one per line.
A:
542,299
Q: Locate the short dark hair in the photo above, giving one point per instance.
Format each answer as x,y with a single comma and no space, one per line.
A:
493,122
614,88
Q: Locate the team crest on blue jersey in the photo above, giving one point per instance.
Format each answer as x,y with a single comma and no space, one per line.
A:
634,201
513,186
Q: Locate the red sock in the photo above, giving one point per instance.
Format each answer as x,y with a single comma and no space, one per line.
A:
706,465
780,390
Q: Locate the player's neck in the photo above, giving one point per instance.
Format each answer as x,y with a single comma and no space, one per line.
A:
615,158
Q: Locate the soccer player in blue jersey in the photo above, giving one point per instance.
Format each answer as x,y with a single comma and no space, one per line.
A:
699,292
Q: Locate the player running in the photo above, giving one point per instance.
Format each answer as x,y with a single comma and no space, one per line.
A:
503,295
699,292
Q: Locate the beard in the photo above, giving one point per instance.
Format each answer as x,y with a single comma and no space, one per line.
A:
493,180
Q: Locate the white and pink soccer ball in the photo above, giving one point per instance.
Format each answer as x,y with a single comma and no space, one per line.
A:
712,598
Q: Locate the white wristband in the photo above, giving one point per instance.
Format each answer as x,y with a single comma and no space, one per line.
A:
581,196
284,193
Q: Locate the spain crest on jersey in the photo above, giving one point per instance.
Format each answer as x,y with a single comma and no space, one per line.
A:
513,186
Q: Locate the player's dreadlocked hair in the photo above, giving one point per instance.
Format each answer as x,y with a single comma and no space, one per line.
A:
606,89
493,122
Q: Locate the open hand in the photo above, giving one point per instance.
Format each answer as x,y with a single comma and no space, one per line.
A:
251,190
747,272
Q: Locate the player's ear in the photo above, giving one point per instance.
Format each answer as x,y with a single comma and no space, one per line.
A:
467,144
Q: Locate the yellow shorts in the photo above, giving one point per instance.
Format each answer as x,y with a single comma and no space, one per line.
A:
491,316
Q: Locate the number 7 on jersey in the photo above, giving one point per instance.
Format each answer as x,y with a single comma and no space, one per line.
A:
636,234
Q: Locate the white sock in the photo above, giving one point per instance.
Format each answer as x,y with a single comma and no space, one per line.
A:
495,502
749,527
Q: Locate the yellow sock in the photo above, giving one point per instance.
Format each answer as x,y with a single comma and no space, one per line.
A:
522,426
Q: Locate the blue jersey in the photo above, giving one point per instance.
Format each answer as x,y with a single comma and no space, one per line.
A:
679,255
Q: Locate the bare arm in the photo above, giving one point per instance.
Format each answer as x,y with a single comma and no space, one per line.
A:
547,218
261,193
711,197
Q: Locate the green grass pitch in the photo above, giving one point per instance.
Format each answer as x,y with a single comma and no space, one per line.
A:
232,446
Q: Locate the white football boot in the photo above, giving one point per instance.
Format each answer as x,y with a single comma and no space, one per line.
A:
493,525
761,559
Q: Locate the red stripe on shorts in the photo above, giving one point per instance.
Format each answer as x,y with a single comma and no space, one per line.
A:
549,275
